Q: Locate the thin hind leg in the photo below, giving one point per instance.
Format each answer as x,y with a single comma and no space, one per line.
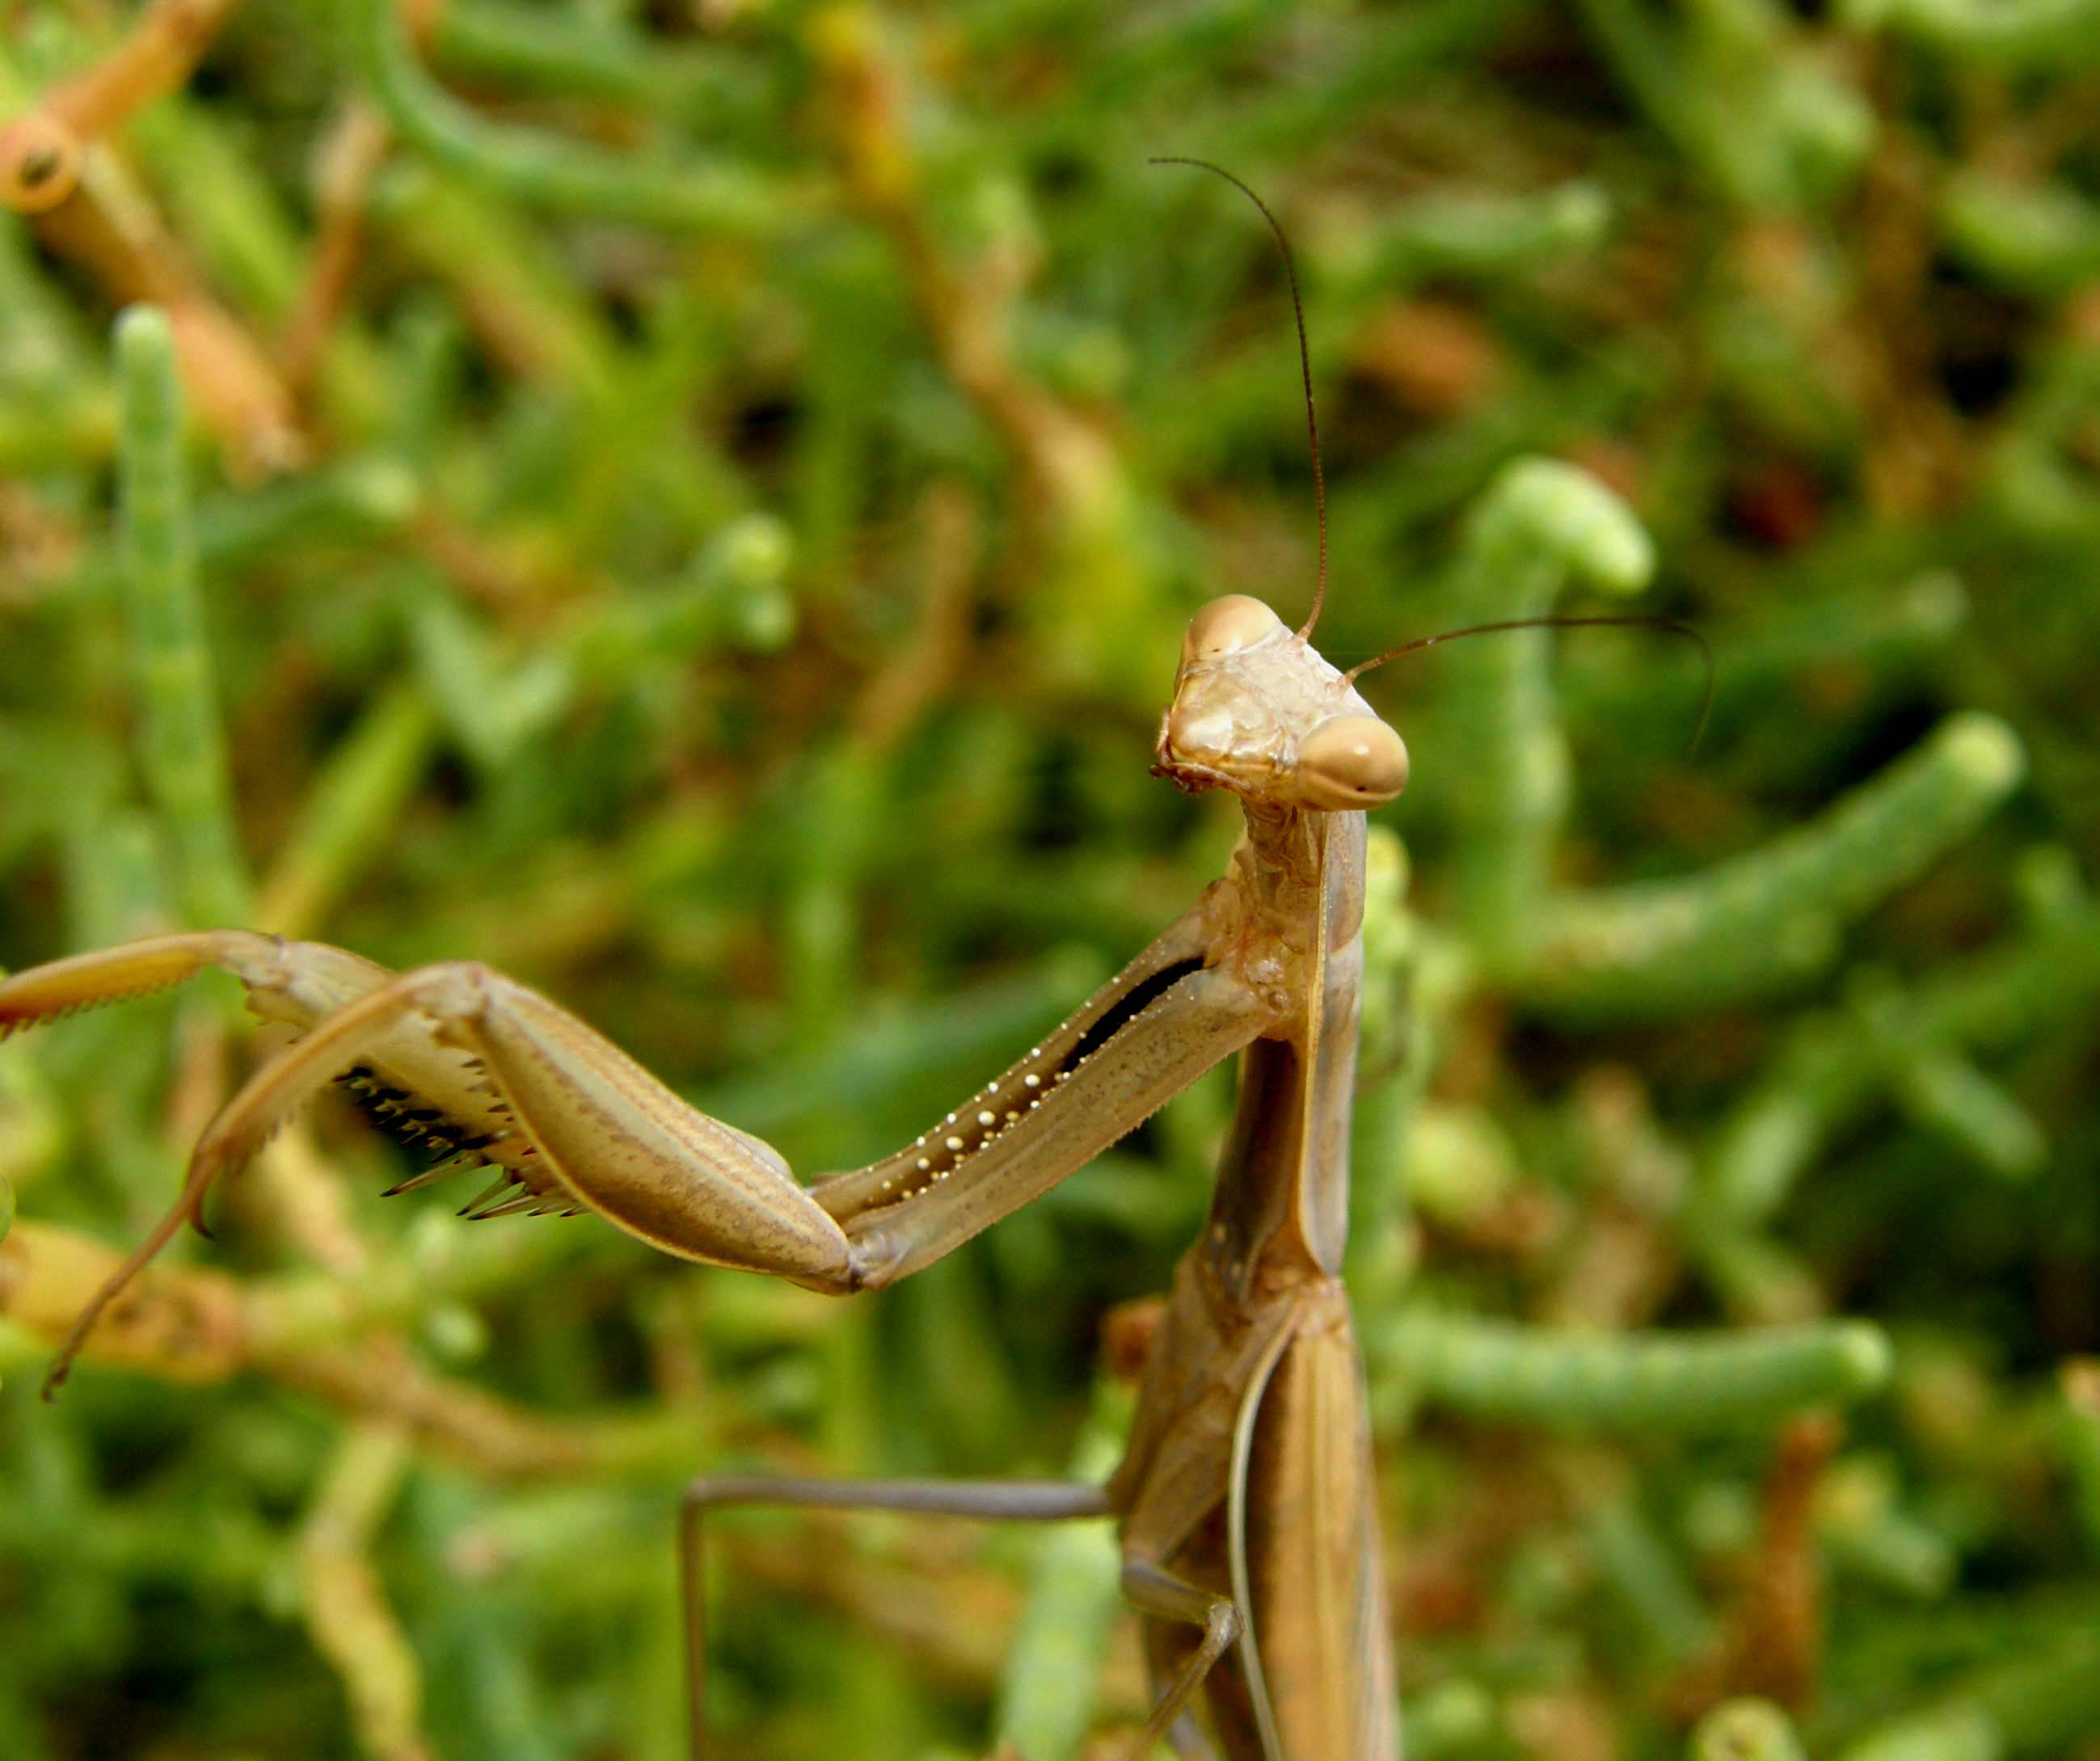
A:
987,1500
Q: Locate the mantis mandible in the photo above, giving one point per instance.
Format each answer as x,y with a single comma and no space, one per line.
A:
1246,1502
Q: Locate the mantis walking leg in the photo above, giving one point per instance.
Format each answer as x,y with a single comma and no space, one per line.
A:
1148,1587
1153,1590
987,1500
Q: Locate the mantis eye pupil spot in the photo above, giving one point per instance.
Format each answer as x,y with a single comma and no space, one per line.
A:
1353,760
1225,626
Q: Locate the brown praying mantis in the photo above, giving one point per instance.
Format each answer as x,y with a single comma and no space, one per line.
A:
1245,1500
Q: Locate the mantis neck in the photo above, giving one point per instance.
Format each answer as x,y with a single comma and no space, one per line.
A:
1281,1210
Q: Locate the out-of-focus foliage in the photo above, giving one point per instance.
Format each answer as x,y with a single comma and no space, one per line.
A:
695,505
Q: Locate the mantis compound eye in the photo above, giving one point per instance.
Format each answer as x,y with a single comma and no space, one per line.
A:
1224,626
1352,761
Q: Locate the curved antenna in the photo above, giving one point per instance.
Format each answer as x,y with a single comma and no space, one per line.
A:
1304,369
1670,626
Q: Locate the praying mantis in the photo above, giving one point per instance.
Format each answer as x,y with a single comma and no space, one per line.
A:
1246,1501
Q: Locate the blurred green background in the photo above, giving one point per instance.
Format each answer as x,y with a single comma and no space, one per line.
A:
694,503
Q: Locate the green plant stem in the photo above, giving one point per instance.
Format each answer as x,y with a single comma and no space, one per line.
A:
537,49
1828,1073
1540,526
2039,1705
2041,239
1768,125
1768,920
1487,237
542,171
181,748
2057,35
1746,1730
1643,1382
1045,1695
355,802
1638,1562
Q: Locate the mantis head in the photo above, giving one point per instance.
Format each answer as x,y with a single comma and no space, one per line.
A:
1257,710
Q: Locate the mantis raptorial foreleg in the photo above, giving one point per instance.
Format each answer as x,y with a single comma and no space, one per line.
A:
500,1075
503,1076
1231,1477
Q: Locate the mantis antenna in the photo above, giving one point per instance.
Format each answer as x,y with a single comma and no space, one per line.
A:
1668,626
1304,369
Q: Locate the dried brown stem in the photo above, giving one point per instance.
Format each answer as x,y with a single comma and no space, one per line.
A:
895,697
42,150
39,546
89,212
350,158
110,229
1067,458
180,1326
954,1618
1773,1641
377,1376
200,1326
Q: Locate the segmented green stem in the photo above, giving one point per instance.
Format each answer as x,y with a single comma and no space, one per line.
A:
2037,1704
2055,35
355,800
547,172
1830,1072
181,748
2039,238
1769,919
1046,1690
1541,527
1487,237
1746,1730
1643,1381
